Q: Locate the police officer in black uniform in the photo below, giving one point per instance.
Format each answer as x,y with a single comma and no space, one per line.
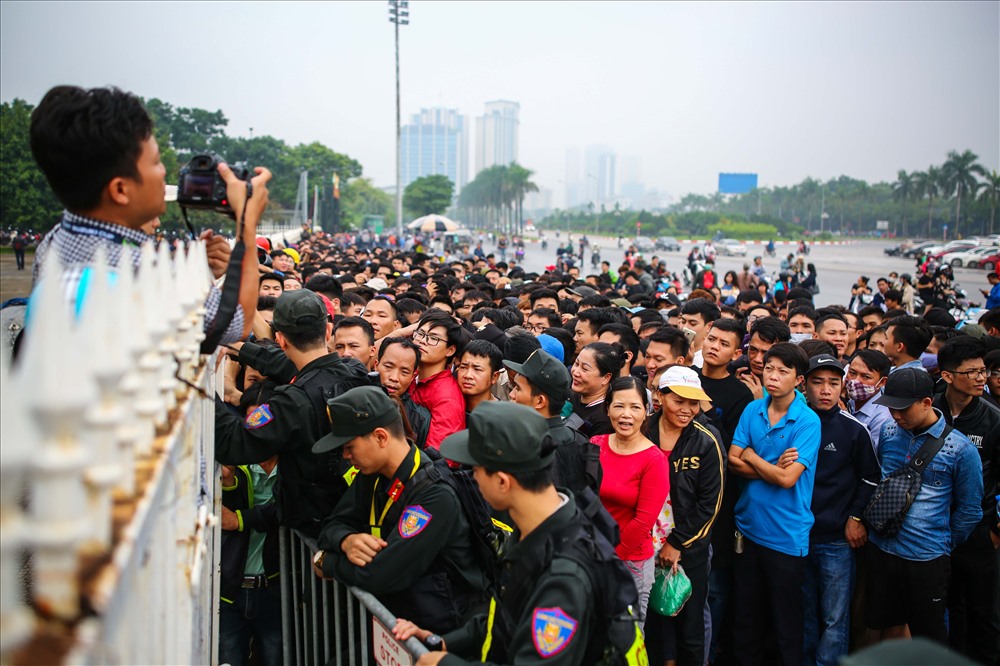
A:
543,383
396,535
309,484
547,610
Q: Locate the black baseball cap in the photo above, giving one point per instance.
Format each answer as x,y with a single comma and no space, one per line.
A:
545,372
298,311
354,413
823,361
905,387
503,437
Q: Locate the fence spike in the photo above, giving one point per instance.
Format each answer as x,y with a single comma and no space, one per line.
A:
57,391
150,406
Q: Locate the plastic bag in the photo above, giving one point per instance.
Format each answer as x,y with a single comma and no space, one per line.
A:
671,590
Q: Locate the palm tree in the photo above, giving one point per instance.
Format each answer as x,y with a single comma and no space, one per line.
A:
928,185
902,190
960,171
990,194
520,185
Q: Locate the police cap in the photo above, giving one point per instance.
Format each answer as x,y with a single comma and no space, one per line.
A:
502,437
355,413
546,373
298,311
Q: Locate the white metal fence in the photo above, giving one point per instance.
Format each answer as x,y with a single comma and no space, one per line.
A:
107,478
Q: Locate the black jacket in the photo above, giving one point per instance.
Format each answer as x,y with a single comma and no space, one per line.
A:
309,484
847,473
980,422
577,462
236,543
429,571
697,476
419,418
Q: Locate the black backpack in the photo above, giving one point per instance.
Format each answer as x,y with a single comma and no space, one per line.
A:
894,495
489,536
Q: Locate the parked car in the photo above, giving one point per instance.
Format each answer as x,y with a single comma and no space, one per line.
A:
644,244
898,250
940,248
963,246
970,258
732,247
668,243
911,253
990,262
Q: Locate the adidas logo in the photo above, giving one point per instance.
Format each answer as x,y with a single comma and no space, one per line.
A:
830,447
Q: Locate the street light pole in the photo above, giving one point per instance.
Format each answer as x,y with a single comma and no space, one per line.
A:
398,14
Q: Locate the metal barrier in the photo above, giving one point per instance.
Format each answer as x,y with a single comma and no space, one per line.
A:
327,622
108,490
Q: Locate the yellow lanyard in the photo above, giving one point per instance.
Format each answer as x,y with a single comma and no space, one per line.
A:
395,490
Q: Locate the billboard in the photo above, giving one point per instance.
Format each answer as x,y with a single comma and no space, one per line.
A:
737,183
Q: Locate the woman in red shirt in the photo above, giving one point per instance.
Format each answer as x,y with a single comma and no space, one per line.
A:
636,481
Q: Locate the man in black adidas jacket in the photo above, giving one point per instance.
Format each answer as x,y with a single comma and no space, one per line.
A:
847,473
972,601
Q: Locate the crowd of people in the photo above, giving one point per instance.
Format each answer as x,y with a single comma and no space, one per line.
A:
609,426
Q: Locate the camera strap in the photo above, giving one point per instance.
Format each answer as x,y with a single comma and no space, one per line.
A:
230,299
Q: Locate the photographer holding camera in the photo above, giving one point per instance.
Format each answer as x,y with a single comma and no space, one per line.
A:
98,153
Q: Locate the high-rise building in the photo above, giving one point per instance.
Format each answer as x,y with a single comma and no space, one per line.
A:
497,133
436,142
601,178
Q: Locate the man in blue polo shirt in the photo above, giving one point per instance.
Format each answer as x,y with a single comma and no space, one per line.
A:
775,446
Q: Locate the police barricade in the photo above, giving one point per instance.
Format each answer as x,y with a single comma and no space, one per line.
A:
108,490
327,622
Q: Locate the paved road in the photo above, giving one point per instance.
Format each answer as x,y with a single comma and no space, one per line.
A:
837,266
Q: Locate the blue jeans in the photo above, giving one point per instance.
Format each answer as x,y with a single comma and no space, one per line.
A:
826,590
256,612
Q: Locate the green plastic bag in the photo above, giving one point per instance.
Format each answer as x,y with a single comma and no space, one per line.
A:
671,590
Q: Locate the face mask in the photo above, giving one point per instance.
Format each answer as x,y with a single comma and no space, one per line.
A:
799,337
859,392
929,361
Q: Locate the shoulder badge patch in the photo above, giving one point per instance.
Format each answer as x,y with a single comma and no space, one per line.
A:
413,521
259,417
552,630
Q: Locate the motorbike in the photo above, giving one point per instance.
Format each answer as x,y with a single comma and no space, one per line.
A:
595,258
545,243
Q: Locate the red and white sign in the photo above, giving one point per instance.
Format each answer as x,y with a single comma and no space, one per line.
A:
388,651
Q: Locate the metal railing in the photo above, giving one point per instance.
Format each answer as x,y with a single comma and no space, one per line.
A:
108,490
327,622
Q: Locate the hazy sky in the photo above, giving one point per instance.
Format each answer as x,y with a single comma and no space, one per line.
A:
786,90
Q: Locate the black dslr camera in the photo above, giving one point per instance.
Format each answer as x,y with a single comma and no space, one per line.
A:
201,186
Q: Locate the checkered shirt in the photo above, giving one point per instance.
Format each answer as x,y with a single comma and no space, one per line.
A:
76,239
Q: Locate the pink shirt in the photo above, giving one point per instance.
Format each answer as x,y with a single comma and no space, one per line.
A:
633,490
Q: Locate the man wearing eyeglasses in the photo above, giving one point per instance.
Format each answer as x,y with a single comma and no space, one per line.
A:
974,629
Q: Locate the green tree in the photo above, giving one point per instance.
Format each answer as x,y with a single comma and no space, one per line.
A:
902,190
26,201
520,185
360,197
928,186
989,194
428,195
959,172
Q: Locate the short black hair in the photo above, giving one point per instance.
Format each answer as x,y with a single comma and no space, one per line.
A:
959,349
538,294
833,316
814,347
913,332
271,276
356,322
803,311
406,343
627,338
730,326
550,315
595,301
329,286
875,360
266,303
454,331
409,305
674,338
519,347
871,310
352,298
505,317
991,319
893,295
749,296
82,139
597,317
485,349
771,329
790,355
708,310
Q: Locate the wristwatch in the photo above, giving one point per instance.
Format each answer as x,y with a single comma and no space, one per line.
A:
318,559
433,643
855,518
